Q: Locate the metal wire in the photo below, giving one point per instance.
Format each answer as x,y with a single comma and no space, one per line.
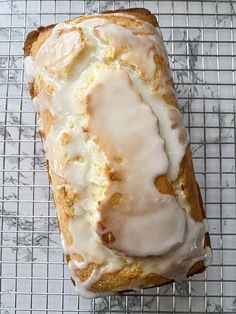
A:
201,40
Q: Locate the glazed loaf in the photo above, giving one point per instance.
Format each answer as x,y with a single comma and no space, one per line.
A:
128,205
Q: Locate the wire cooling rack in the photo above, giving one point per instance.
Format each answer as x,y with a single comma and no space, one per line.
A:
201,40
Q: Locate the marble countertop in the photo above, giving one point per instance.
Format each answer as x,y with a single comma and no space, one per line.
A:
200,39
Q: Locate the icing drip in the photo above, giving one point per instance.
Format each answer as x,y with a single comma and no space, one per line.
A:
208,256
123,126
73,61
82,288
181,260
29,66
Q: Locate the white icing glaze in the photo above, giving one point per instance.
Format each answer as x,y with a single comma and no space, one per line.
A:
81,265
63,243
208,256
130,132
68,107
177,263
41,102
54,152
29,66
60,51
183,203
176,139
206,225
138,49
86,240
82,288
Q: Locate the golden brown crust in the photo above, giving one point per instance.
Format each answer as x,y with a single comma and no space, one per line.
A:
140,13
187,182
164,186
32,38
123,278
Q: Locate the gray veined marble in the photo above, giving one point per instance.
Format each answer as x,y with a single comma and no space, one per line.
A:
200,38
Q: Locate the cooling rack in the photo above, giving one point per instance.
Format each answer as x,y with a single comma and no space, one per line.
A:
201,40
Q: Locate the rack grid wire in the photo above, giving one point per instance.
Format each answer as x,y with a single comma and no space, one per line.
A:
200,37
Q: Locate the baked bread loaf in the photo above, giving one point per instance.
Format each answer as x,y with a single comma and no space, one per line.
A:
128,205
